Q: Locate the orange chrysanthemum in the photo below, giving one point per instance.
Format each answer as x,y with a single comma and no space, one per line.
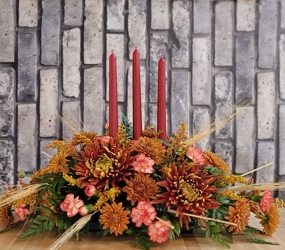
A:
188,189
6,216
270,219
140,188
84,138
216,161
150,147
114,217
103,164
238,214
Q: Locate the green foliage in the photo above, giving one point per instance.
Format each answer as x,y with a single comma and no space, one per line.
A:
40,224
214,170
143,242
214,233
127,126
248,232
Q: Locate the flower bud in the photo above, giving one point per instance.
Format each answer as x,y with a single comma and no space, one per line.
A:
90,190
86,209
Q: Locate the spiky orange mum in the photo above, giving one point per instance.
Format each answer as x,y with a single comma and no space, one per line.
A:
6,216
140,188
270,219
188,189
151,147
216,161
239,214
114,217
103,164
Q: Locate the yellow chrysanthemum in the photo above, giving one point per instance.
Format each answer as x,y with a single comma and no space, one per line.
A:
239,214
114,217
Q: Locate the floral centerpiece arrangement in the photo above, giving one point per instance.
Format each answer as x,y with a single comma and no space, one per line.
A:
149,188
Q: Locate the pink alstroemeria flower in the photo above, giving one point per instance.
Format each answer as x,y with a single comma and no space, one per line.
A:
158,231
22,212
144,213
196,155
71,205
143,164
266,200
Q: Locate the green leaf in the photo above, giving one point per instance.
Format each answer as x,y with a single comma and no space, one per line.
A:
255,239
105,232
143,242
177,228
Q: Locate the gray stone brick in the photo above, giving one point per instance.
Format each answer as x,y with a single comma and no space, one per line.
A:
116,15
94,103
7,104
201,68
153,116
143,94
282,66
244,67
202,11
201,123
224,34
267,34
180,99
245,139
28,13
93,32
48,102
71,119
225,150
160,14
265,154
6,164
224,104
265,105
7,31
158,48
115,43
281,136
27,65
282,21
180,37
27,137
46,153
71,62
137,27
245,15
50,32
73,12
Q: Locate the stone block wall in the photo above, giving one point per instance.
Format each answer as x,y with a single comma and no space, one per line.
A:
54,57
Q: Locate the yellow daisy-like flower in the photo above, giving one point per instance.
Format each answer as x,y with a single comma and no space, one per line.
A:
140,188
114,217
238,214
270,219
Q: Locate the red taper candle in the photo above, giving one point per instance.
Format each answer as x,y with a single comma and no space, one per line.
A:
137,112
113,97
161,100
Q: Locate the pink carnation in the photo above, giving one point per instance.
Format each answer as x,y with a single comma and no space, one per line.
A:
143,164
90,190
22,212
144,213
196,155
71,205
104,140
158,231
266,200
